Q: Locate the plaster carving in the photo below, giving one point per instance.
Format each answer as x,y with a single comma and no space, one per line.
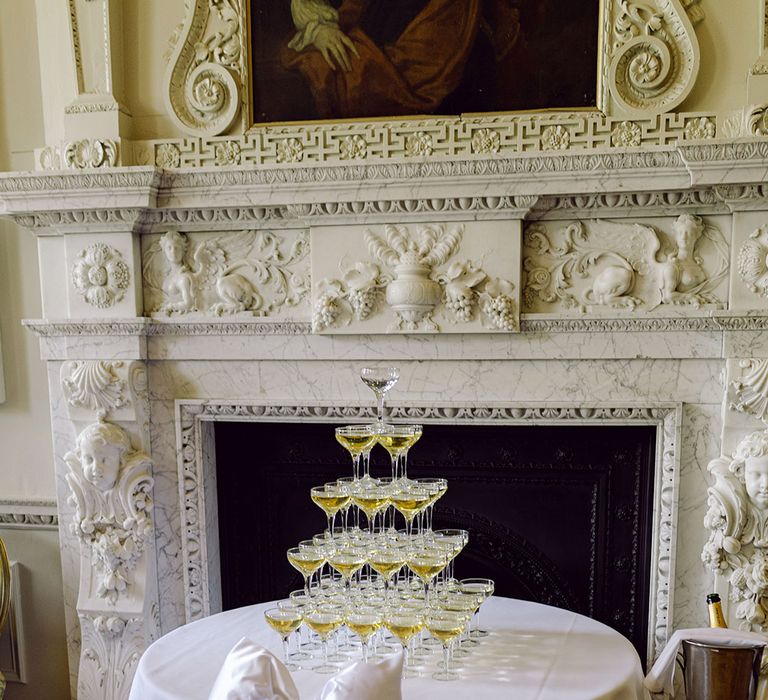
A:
111,648
247,272
555,138
94,385
204,84
654,55
749,393
738,523
111,489
100,275
90,153
412,286
757,120
626,134
167,155
753,262
623,266
700,128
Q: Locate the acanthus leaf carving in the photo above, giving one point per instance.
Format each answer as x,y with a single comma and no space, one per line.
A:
204,88
654,55
737,521
111,489
247,272
623,266
94,385
749,393
90,153
752,263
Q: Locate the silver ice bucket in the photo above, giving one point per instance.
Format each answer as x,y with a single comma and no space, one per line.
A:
713,672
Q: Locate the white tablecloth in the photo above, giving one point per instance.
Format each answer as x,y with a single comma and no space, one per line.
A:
534,652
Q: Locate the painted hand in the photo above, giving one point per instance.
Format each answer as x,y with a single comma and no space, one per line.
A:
335,46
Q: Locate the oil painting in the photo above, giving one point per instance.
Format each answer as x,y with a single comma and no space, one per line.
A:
347,59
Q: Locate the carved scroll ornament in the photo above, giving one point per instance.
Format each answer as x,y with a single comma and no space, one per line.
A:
654,54
749,393
111,489
753,262
204,88
623,266
737,521
248,272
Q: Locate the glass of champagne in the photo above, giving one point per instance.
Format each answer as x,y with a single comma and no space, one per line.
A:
325,621
380,380
445,626
436,488
306,560
347,562
409,502
404,624
426,563
483,586
371,498
397,439
386,561
357,440
364,625
331,498
284,621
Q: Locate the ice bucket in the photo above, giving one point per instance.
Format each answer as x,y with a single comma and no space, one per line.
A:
714,672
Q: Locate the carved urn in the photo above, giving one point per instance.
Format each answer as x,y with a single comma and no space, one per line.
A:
412,294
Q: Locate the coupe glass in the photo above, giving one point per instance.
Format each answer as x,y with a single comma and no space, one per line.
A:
306,560
325,622
284,622
397,440
331,498
357,440
380,380
364,625
445,626
483,586
404,624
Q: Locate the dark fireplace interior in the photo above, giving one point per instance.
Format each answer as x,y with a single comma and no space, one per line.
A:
556,514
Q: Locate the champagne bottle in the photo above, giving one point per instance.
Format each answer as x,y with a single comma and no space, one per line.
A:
716,617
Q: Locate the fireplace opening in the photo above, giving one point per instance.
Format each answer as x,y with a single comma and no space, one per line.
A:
560,515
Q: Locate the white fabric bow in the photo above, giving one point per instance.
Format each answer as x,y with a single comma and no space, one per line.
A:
250,672
372,681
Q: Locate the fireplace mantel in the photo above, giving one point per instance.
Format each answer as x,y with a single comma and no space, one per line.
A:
127,345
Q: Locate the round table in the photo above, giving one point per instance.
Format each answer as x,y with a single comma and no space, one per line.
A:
533,652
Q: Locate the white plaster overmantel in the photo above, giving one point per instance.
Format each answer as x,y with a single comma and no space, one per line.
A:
176,297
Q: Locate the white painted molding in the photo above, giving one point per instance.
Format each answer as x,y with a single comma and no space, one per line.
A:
201,576
28,514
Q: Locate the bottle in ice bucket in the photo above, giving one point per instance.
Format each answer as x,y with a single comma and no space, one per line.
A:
716,617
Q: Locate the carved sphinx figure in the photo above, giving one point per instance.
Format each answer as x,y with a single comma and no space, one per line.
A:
681,275
738,523
111,487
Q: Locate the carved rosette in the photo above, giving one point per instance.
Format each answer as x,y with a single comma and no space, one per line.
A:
737,520
653,57
111,489
205,78
753,262
100,275
94,385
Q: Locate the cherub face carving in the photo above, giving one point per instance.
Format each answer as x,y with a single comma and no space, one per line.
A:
102,449
756,481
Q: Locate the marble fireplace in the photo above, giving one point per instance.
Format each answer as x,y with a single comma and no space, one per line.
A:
595,268
177,299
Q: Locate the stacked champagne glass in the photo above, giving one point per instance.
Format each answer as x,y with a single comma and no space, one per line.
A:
379,566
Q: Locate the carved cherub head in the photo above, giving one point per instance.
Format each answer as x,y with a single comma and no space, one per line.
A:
688,229
174,244
750,465
102,448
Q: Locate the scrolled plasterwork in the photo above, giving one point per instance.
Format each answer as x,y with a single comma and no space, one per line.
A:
757,120
90,153
402,274
100,275
191,473
204,83
111,490
111,648
653,54
248,272
752,263
749,393
737,521
94,385
623,266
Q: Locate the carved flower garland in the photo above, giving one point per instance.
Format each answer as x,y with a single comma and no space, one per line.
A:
100,275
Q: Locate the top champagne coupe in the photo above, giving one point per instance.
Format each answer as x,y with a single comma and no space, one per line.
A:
380,380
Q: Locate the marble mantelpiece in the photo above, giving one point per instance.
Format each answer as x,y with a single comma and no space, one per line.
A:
154,364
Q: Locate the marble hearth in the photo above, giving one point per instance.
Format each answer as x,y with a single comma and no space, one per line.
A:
618,287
